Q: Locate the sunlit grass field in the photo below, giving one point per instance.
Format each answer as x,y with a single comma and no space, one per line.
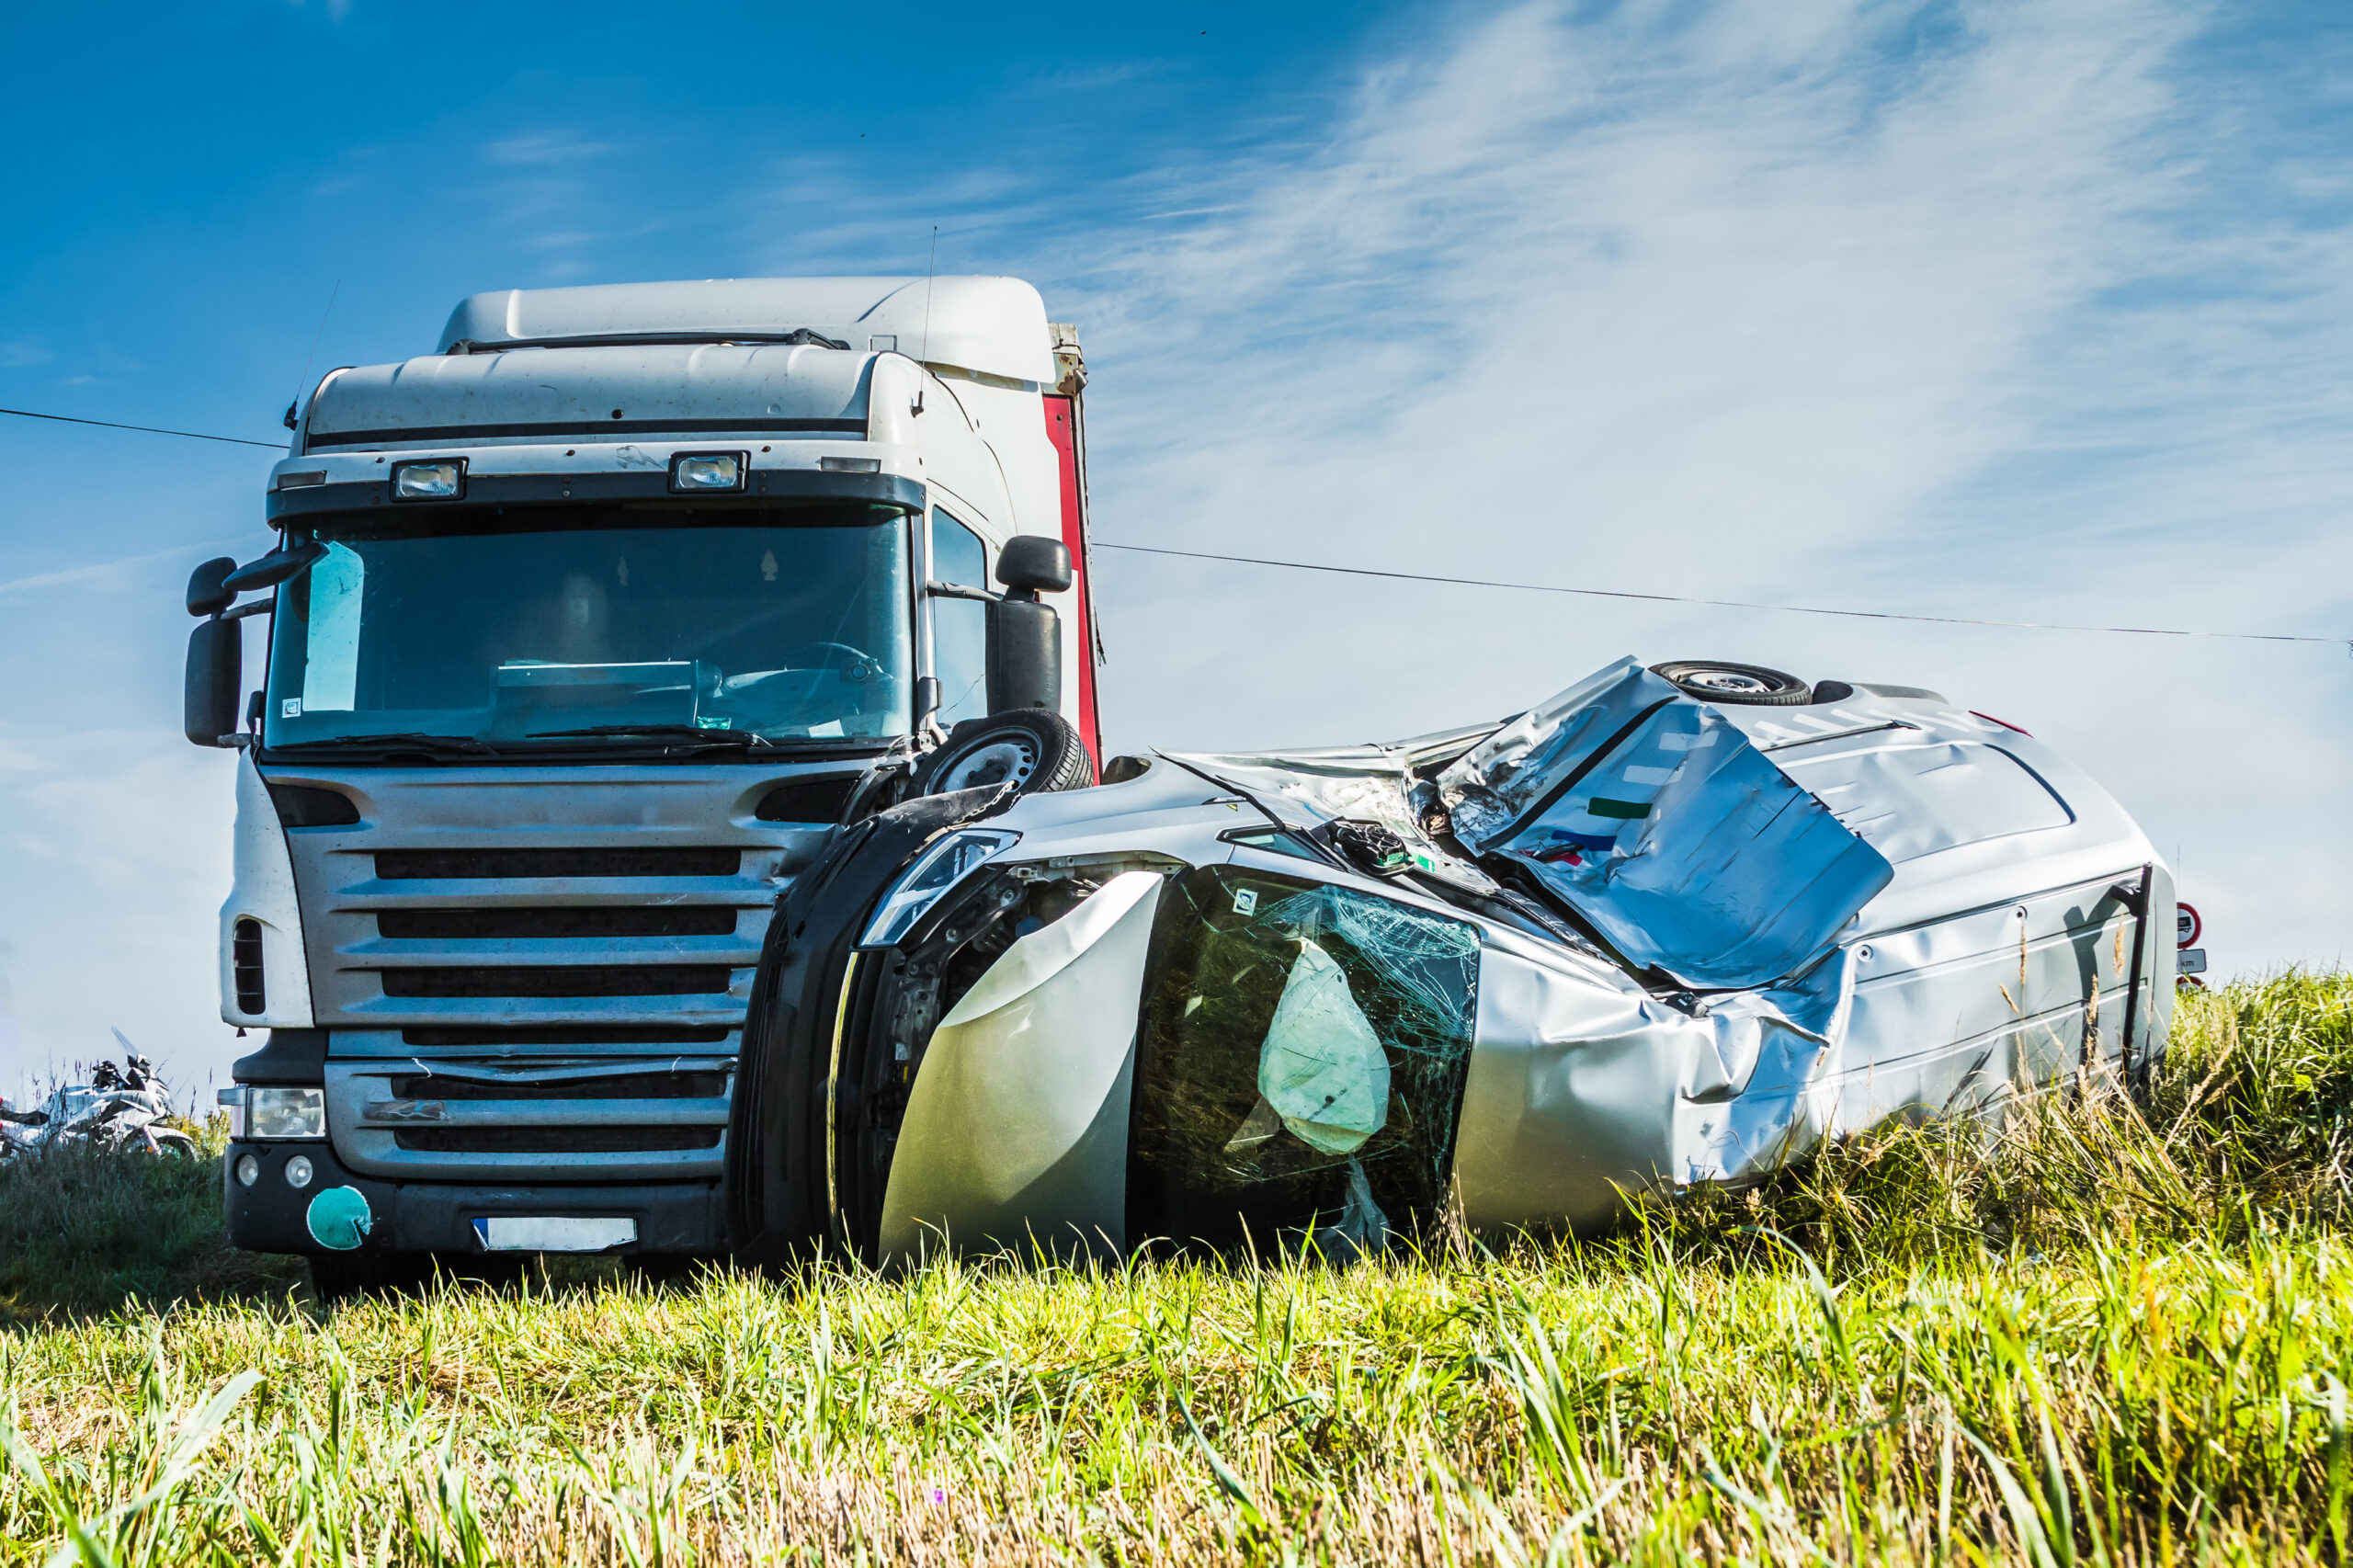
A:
2118,1333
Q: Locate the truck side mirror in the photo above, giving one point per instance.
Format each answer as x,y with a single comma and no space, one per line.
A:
1032,564
1025,637
216,676
1024,655
205,594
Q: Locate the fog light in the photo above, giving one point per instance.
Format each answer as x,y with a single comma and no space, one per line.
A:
849,465
707,471
286,1113
444,479
298,1171
249,1170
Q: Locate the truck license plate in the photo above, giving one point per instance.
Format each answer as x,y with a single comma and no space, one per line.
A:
552,1233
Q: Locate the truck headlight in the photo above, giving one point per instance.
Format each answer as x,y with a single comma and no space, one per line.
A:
286,1113
949,859
444,479
707,471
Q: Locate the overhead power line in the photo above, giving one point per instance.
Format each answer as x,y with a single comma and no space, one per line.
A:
149,429
1481,582
1718,604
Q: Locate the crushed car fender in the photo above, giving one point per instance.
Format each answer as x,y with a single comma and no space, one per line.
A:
1016,1127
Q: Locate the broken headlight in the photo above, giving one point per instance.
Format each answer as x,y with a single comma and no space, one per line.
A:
949,859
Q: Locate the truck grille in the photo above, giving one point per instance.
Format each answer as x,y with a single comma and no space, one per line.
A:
620,1086
514,965
507,925
560,980
635,1036
477,865
555,1140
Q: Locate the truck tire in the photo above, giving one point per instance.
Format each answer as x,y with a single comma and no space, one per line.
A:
1031,748
1720,681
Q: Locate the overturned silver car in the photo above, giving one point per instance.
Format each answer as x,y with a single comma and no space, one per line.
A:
1673,926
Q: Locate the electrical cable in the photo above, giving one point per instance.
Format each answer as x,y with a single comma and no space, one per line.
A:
1720,604
1487,581
150,429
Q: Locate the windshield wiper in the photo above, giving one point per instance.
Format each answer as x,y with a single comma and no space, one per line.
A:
667,731
409,740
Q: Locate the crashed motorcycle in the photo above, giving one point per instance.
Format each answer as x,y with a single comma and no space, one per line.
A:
124,1110
1675,926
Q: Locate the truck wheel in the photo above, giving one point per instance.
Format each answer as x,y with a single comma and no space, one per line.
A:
1713,680
1032,749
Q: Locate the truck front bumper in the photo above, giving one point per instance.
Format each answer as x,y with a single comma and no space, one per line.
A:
272,1215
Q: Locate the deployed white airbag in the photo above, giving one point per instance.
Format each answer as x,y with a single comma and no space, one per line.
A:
1322,1067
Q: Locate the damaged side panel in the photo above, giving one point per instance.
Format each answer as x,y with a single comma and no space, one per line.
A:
1586,1091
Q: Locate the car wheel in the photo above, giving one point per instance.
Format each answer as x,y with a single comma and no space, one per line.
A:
1032,750
1713,680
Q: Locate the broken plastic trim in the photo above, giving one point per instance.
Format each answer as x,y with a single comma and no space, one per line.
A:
950,859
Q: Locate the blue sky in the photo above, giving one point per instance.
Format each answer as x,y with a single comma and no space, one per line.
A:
2023,311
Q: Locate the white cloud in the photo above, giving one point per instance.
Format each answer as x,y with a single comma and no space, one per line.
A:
540,147
115,853
106,570
1961,312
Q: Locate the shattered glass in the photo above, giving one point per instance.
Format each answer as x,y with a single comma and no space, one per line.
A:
1657,821
1300,1062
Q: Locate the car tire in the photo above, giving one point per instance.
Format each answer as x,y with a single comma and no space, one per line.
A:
1720,681
1035,751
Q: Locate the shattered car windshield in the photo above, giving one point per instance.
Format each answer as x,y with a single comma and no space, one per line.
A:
1300,1062
502,624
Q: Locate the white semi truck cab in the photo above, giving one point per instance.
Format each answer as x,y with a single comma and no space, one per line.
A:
582,632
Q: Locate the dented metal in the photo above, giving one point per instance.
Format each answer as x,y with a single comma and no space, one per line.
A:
1628,941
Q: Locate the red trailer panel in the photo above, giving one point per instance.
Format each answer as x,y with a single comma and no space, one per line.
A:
1063,428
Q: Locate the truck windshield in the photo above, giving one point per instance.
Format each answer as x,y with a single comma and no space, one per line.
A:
515,625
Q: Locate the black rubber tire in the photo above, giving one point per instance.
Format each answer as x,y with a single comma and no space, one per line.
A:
1040,752
1721,681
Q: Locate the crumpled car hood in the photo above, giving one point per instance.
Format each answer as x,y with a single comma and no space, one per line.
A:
1646,813
1652,816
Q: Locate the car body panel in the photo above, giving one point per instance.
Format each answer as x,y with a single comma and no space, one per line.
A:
1016,1133
1826,917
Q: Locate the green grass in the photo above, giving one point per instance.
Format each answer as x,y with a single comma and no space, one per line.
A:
2115,1334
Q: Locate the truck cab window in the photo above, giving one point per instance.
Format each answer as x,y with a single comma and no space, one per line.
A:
959,627
508,625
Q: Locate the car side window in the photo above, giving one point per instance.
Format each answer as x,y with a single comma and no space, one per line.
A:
958,627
